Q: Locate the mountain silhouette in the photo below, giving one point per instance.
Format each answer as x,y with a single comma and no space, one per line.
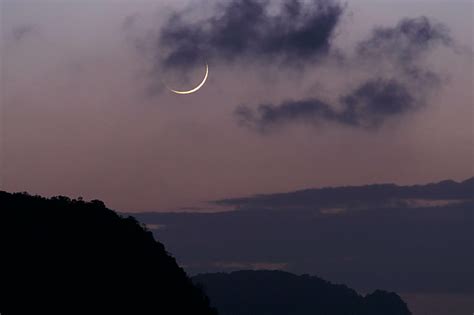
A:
283,293
63,256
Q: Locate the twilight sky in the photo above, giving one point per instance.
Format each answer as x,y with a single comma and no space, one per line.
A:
300,94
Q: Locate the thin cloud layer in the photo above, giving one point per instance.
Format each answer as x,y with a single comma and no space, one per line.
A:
295,33
353,197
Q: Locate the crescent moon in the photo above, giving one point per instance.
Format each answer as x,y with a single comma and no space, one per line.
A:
196,88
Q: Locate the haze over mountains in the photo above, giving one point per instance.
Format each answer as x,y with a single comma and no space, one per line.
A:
415,240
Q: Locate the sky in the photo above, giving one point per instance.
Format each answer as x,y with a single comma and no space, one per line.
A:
292,100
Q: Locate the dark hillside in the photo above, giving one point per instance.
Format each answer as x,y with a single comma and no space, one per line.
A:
63,256
283,293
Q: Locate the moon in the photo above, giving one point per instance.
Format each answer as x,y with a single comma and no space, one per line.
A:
196,88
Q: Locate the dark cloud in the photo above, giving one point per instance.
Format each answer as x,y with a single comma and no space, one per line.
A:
404,45
378,99
297,32
407,41
354,197
368,106
267,116
21,32
375,101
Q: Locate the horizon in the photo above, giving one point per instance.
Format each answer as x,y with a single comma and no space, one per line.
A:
214,207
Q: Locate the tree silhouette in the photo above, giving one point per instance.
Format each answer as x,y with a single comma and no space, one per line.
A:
64,256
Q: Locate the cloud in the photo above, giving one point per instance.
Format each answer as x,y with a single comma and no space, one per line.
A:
405,44
296,32
353,197
21,32
409,40
374,101
368,106
267,116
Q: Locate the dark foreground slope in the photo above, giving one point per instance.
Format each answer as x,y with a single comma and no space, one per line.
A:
62,256
283,293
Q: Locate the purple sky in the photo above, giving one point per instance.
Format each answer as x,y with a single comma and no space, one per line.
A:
83,116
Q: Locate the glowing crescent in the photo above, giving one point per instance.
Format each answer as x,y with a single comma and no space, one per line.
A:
197,87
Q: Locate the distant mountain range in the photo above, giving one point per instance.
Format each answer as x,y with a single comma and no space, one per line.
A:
282,293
